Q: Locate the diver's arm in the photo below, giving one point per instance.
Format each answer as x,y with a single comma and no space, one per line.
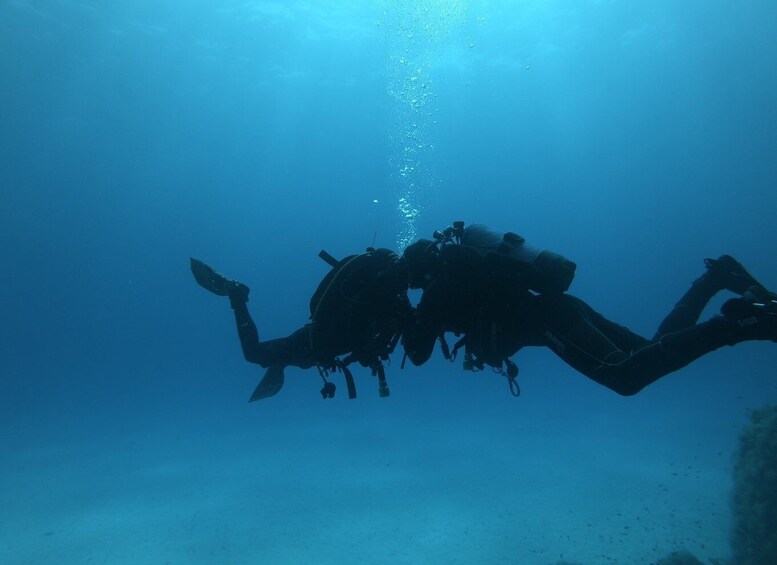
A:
418,341
423,329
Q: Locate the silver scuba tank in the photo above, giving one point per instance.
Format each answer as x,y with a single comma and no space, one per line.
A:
550,272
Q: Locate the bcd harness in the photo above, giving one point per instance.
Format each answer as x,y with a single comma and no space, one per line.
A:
375,316
544,272
473,362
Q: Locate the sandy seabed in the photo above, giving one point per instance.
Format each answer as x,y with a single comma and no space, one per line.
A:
508,483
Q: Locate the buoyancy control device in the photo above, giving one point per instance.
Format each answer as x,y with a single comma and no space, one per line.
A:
364,297
548,272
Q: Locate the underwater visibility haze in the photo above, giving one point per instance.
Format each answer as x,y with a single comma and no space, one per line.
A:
635,137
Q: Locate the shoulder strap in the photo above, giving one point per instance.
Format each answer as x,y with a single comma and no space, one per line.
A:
343,271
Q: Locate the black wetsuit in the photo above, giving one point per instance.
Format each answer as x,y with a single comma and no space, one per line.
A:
470,297
360,315
294,349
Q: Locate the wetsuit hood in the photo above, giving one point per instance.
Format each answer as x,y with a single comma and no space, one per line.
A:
422,259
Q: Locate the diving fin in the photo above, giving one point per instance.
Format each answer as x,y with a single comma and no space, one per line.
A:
271,383
209,279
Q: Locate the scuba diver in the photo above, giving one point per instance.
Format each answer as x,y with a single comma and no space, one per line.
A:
501,294
357,314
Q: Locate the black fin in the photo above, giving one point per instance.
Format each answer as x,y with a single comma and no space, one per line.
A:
209,279
271,383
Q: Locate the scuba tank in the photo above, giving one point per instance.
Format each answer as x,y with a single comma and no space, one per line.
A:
550,272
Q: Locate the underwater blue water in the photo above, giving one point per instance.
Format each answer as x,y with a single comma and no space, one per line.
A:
636,138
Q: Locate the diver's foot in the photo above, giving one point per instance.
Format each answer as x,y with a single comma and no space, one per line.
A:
728,273
755,314
210,279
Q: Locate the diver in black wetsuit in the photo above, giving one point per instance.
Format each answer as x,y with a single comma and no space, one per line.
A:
499,306
357,314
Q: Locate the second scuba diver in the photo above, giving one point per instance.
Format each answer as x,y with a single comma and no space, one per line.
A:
502,295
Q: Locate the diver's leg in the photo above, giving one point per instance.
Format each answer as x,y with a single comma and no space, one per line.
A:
246,328
600,349
723,273
292,350
578,334
213,281
742,321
